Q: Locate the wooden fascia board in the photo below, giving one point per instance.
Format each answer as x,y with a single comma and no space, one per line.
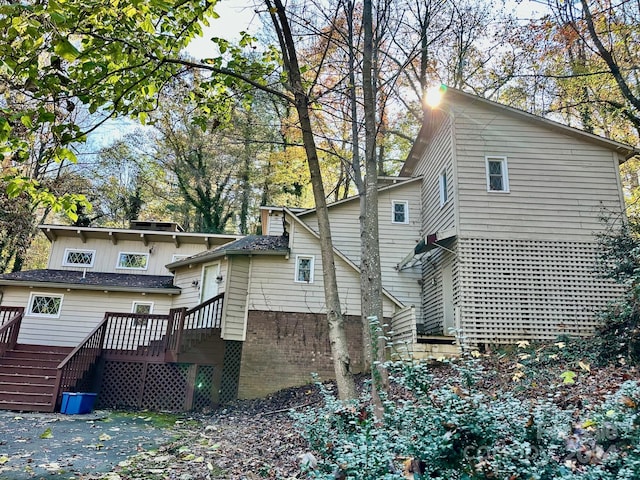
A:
98,288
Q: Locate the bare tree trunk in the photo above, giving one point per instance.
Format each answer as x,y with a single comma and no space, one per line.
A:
335,319
370,259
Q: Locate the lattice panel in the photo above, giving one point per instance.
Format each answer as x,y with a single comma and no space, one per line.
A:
517,289
230,371
121,384
202,396
165,386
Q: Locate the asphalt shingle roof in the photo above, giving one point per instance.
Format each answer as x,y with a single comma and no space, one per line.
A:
248,244
98,279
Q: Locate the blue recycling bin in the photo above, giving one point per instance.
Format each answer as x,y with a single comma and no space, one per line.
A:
77,403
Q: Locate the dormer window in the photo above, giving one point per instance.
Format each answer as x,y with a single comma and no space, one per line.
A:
400,211
133,261
78,258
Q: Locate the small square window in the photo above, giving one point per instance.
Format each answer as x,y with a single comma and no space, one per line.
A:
135,261
400,211
304,268
45,305
497,174
78,258
145,308
442,184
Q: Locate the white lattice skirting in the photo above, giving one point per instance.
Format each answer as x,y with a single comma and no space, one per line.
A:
518,289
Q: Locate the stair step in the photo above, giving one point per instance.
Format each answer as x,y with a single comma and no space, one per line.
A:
28,370
10,361
25,378
43,348
26,406
26,387
27,397
58,357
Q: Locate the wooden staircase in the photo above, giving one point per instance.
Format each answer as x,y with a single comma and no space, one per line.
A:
28,375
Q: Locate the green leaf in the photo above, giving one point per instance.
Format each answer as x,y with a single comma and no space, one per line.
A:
66,50
568,376
26,121
47,434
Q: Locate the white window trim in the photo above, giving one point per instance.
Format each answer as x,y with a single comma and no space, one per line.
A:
505,172
67,251
406,211
43,294
132,268
442,186
135,303
311,268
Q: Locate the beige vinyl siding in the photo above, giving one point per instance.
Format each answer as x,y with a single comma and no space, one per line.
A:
272,286
81,311
184,277
403,326
559,185
106,254
438,158
525,289
234,321
433,264
274,223
396,240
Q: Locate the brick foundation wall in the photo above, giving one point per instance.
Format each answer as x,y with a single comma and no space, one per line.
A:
283,349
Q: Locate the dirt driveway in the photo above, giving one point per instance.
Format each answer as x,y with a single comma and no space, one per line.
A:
38,445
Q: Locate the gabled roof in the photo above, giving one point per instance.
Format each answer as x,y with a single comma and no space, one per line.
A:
115,282
396,182
341,255
249,245
433,118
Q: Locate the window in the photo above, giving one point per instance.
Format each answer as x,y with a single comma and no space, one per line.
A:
400,212
304,268
45,305
497,175
176,257
444,195
145,308
136,261
78,258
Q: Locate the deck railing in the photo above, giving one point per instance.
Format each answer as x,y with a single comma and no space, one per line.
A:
188,327
10,321
78,364
138,337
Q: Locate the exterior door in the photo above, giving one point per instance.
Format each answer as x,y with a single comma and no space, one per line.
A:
209,281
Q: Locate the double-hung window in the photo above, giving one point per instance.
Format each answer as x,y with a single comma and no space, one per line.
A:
133,261
145,308
399,211
497,174
304,268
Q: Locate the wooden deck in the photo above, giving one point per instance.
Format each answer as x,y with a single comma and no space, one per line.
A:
120,338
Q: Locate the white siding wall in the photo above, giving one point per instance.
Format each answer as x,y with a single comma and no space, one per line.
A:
81,311
106,256
272,285
234,323
438,158
559,184
433,264
274,223
396,240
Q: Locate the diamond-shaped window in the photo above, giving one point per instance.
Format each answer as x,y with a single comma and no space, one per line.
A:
79,257
45,305
133,260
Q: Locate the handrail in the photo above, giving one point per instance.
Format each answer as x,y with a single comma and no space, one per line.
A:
8,313
80,360
9,331
200,321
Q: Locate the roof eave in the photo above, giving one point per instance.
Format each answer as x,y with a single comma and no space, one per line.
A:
76,286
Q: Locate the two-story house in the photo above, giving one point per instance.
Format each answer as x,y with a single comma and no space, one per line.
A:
487,236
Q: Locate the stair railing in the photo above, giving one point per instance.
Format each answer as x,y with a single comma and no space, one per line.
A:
80,361
10,321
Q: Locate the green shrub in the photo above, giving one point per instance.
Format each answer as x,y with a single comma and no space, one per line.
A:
454,431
